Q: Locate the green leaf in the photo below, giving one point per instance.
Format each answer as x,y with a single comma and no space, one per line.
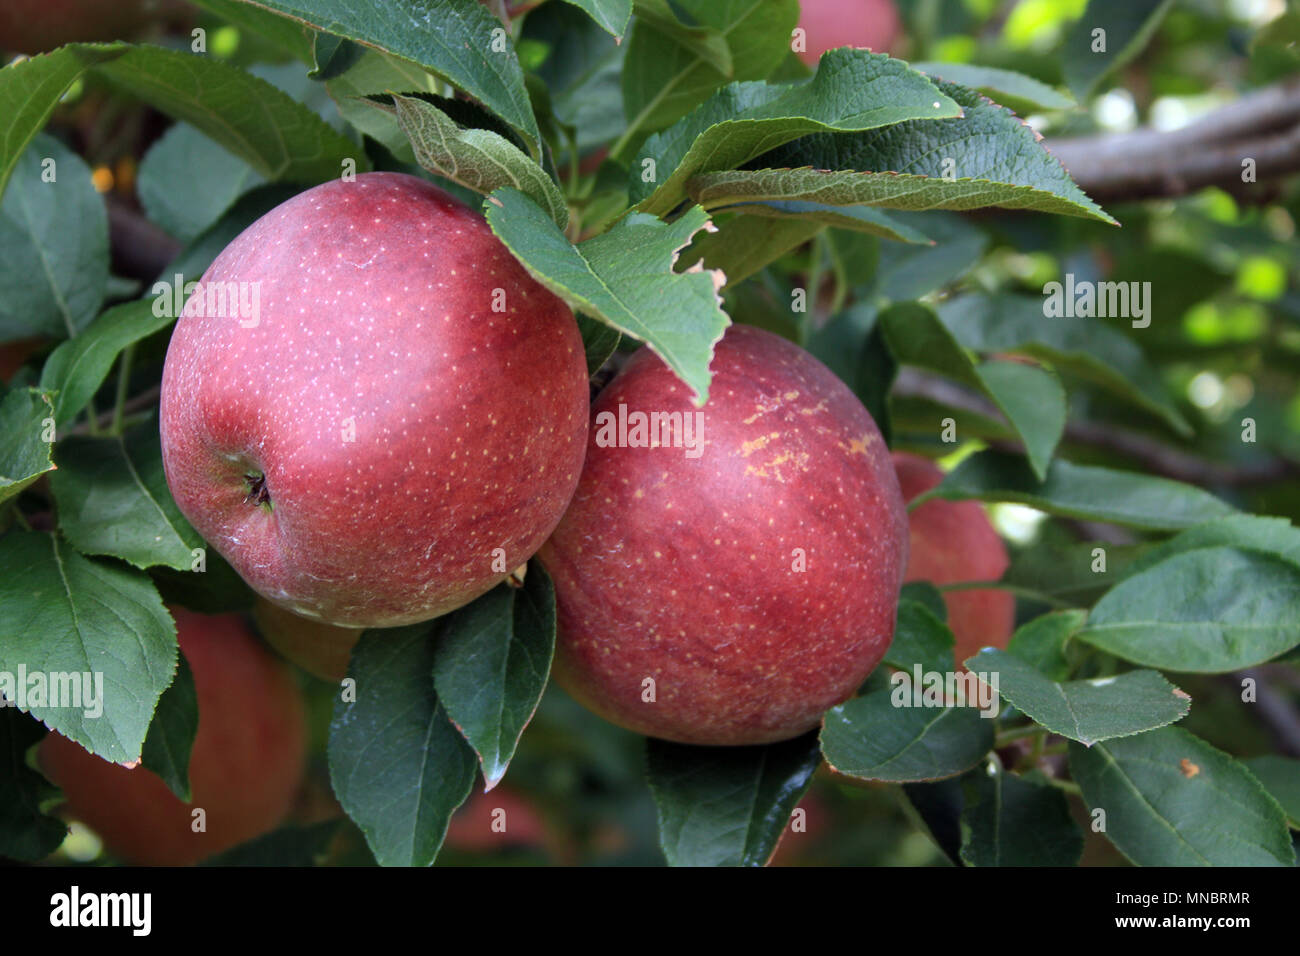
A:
1127,26
25,832
1210,610
182,157
612,15
727,806
1085,710
1085,347
399,767
30,89
920,638
1081,491
478,159
170,740
295,846
582,73
599,341
53,245
1267,535
625,278
742,245
1070,574
910,271
113,499
669,70
76,369
490,666
1281,778
987,157
355,72
276,135
853,90
25,439
1041,642
1024,94
1173,800
450,38
292,37
863,219
1031,398
1008,820
873,738
69,615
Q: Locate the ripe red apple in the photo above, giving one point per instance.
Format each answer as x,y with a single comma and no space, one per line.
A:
952,542
394,419
828,24
730,597
323,650
36,26
245,768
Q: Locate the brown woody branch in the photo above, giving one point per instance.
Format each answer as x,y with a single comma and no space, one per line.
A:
1263,126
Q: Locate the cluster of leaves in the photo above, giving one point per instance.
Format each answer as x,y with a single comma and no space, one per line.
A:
717,159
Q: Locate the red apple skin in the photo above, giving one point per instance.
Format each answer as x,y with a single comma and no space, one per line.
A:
828,24
245,769
36,26
376,324
682,570
951,542
14,355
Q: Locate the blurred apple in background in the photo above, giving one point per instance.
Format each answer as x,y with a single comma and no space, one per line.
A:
37,26
954,542
245,770
322,650
828,24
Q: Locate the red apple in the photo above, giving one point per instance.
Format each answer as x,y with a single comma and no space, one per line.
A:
495,821
394,419
828,24
323,650
952,542
729,597
245,768
36,26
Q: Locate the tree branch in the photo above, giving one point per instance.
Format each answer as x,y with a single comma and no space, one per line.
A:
1263,125
1154,456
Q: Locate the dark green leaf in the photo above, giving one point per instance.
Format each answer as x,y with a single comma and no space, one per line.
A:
66,614
113,499
1082,491
451,38
874,738
26,833
1210,610
599,341
289,846
727,806
1009,820
399,767
1281,778
920,638
53,245
1085,710
26,435
1126,26
1041,642
170,740
853,90
490,666
1171,799
1024,94
76,369
625,278
182,157
612,15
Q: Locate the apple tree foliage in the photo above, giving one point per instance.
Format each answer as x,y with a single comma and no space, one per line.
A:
899,219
